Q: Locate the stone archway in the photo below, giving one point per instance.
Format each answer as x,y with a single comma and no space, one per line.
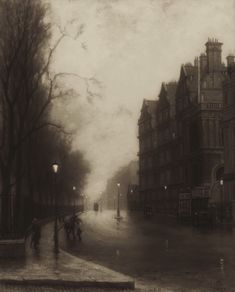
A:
217,172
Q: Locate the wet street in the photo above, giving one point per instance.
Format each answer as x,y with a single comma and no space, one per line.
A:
158,252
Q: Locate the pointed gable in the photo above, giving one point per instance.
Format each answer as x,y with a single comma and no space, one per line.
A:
167,97
151,107
185,86
148,110
171,91
181,88
163,101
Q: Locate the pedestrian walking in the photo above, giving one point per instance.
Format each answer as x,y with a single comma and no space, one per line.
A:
79,230
35,231
73,221
67,227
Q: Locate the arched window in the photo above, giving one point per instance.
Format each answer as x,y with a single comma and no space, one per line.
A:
219,173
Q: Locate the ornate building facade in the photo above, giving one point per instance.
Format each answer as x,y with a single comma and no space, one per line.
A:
164,159
186,149
199,104
229,136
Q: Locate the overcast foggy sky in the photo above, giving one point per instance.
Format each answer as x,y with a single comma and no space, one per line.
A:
130,46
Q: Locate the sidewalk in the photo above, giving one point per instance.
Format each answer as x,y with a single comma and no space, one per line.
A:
43,267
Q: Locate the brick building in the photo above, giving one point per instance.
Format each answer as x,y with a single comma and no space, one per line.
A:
229,137
147,143
164,158
199,103
185,151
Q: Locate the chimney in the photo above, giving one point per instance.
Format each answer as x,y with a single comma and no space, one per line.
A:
230,60
203,63
213,52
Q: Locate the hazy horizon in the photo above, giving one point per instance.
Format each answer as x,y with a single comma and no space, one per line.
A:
130,47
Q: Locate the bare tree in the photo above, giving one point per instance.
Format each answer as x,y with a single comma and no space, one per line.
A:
27,88
26,91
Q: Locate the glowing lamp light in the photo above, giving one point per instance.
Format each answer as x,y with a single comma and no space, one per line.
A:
55,167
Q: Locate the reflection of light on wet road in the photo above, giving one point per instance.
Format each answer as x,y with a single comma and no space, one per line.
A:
157,251
108,224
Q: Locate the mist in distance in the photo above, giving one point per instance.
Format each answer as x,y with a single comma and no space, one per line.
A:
120,52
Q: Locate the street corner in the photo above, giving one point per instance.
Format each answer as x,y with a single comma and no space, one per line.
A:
88,274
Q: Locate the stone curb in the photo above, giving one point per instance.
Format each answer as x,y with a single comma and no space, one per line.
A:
125,283
68,283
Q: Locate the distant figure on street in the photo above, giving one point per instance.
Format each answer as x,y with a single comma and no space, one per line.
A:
73,226
73,220
35,231
79,230
67,227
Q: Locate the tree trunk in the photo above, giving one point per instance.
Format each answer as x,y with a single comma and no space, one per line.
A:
19,212
5,204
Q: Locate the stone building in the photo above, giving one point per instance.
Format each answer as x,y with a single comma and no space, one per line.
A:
164,152
147,143
229,137
134,202
181,144
199,103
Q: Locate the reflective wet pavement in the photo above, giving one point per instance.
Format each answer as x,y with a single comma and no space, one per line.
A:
42,267
159,252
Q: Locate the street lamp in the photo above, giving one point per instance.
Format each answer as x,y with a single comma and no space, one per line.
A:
55,168
118,201
166,199
221,200
74,207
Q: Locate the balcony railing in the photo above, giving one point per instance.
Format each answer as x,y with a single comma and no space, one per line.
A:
211,106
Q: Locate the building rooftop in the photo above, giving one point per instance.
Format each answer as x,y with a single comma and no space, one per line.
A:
151,105
171,89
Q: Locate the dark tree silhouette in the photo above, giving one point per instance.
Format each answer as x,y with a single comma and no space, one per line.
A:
27,89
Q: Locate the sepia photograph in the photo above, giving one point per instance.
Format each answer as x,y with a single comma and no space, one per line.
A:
117,145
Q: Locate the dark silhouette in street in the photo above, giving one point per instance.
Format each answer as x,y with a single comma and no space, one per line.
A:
79,230
35,231
73,226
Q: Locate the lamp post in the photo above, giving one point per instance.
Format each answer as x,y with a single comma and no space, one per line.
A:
55,168
118,201
166,199
221,200
74,203
131,201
